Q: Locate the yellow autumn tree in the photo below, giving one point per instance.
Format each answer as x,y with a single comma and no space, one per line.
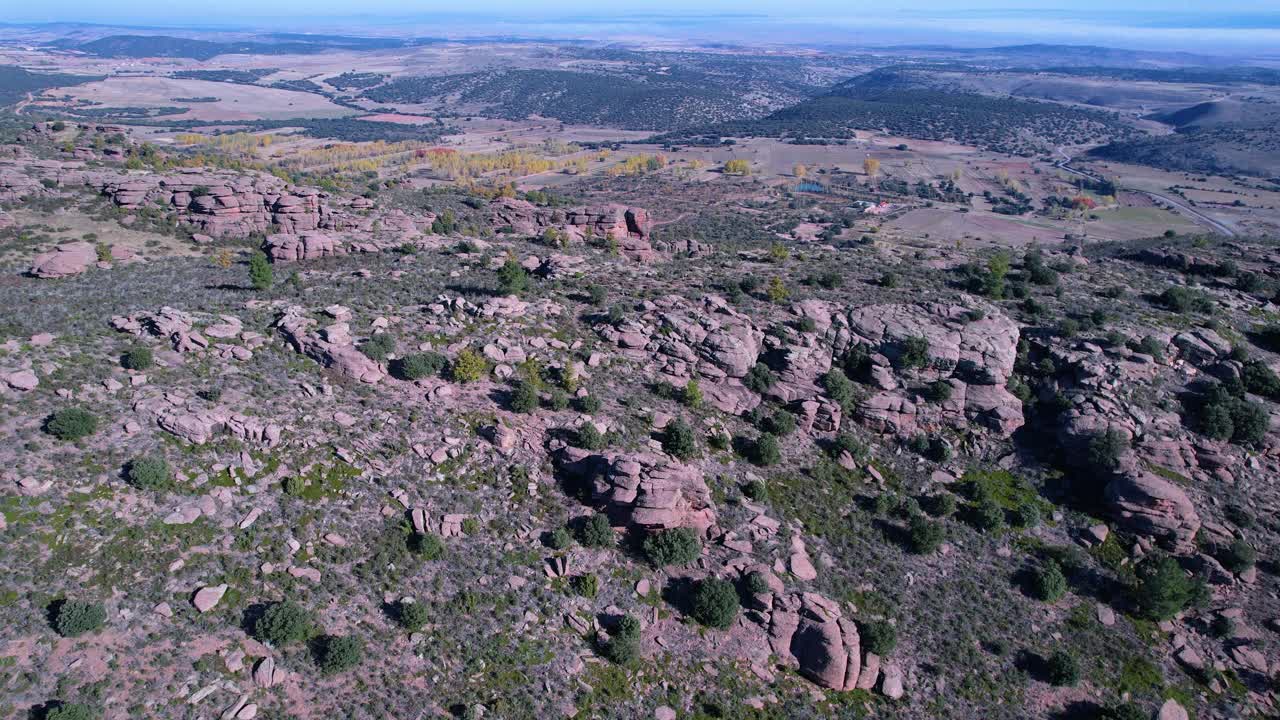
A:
800,170
737,166
871,166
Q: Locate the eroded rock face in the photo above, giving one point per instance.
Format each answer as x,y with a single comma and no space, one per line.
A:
628,226
1150,505
810,628
303,246
330,349
223,204
198,424
64,260
710,340
644,489
975,357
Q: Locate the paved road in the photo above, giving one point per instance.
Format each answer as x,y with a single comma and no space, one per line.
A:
1214,225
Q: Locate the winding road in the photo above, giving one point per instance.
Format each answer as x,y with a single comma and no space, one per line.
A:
1221,228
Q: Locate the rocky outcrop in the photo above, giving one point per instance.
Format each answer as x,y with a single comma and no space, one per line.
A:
645,490
1147,504
811,630
628,226
710,340
223,204
198,424
64,260
332,347
303,246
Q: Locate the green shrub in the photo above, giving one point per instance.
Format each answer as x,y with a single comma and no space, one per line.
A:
839,388
1164,590
339,653
938,391
427,546
925,536
674,546
138,357
589,404
588,586
623,646
1048,583
71,423
878,637
597,295
692,395
988,516
559,539
780,424
1259,380
760,378
913,353
469,366
679,440
1238,556
73,618
524,399
1223,416
1062,669
942,504
418,365
1026,515
596,532
149,472
512,278
284,623
1182,300
715,603
589,437
756,583
68,711
1126,711
378,347
1105,449
767,450
260,275
412,615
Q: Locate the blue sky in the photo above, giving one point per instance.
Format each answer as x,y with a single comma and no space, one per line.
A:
1166,24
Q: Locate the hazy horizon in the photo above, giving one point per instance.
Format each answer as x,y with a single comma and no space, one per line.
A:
1139,24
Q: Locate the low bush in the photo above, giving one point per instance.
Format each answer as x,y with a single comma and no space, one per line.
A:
284,623
412,615
596,532
878,637
339,653
623,646
418,366
1048,583
715,603
71,423
674,546
138,357
1062,669
149,472
679,441
378,347
73,618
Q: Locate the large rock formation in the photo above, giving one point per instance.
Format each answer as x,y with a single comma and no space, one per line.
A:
303,246
810,629
1148,504
226,203
332,346
644,489
64,260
